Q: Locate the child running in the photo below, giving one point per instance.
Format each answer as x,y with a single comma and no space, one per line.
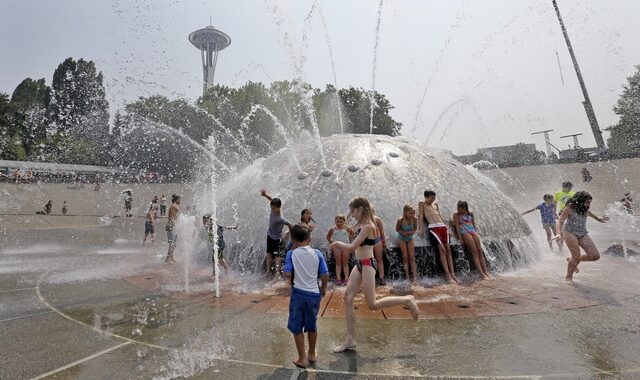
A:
207,222
406,227
429,213
274,233
575,233
467,233
149,227
172,238
363,275
548,217
303,266
342,233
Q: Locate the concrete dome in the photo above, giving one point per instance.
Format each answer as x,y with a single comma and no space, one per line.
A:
389,171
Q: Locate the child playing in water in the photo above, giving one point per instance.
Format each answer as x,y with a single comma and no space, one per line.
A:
306,219
429,213
380,247
340,232
274,233
172,238
406,227
208,224
64,208
548,217
303,266
149,227
467,232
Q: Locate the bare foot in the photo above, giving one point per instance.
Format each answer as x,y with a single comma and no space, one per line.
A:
569,280
313,357
457,280
450,280
347,345
413,307
301,363
168,260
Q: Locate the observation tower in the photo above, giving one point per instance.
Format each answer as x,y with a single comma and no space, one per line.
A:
209,41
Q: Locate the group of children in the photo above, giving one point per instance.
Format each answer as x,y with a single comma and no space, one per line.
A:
428,214
564,219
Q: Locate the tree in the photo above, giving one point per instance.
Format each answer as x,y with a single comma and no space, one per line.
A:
625,135
356,103
79,111
28,106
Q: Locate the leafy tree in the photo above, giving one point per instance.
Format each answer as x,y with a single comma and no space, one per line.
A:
356,103
79,110
625,135
28,106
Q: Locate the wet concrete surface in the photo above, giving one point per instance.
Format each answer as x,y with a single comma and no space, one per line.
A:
91,303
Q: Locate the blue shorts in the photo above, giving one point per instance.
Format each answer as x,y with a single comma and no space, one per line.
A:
303,311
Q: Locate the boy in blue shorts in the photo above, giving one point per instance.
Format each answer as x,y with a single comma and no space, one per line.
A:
548,216
303,266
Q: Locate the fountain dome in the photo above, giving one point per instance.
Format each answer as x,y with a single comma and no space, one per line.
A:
389,171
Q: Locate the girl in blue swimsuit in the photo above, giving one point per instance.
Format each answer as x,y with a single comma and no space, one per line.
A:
467,234
406,228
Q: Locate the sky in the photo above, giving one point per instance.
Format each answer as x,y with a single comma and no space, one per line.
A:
461,74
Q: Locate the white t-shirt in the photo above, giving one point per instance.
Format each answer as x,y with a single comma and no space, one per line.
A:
307,264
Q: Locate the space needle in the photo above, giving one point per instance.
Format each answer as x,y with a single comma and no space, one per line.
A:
210,41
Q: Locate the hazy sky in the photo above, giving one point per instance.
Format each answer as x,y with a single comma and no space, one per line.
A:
489,68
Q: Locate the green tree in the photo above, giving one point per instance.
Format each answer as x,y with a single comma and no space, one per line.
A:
28,106
79,111
625,135
356,111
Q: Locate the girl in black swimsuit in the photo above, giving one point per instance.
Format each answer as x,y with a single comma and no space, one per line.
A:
363,275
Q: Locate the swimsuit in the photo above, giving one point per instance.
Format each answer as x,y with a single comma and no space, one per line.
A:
404,237
367,240
340,235
576,224
466,224
439,232
367,262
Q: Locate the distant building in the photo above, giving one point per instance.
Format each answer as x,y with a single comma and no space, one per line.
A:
508,155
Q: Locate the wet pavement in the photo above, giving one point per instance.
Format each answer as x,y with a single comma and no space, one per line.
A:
87,303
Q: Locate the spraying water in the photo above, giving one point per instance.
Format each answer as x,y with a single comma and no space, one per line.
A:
373,70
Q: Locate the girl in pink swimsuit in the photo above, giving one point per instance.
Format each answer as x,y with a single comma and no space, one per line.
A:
467,234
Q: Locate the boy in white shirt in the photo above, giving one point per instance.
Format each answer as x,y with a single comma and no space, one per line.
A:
303,266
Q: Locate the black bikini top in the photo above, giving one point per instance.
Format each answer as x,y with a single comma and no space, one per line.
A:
367,240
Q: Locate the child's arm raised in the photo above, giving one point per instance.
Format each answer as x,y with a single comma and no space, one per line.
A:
263,192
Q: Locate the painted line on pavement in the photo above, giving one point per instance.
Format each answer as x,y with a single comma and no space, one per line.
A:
73,364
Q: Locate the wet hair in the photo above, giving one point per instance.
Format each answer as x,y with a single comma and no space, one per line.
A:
275,202
303,212
363,204
175,198
567,184
463,205
546,197
299,233
428,193
578,201
340,217
406,209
